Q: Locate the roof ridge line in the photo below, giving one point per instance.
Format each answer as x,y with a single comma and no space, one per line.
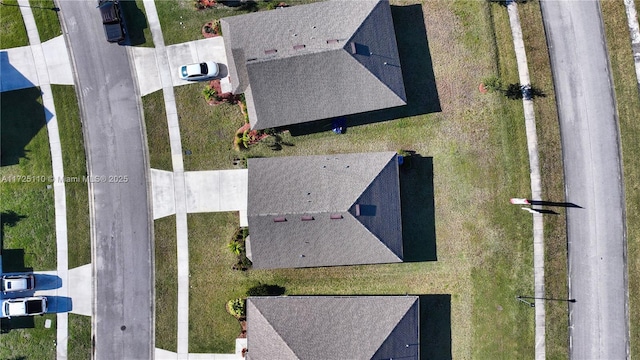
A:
275,331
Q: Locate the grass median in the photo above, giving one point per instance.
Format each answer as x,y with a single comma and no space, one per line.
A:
45,14
166,276
628,101
552,176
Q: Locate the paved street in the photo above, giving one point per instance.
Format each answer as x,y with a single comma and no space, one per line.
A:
122,251
590,142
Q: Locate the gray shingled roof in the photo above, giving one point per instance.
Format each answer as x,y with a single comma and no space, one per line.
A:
318,188
322,77
333,327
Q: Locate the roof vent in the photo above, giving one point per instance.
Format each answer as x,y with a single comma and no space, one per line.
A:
332,41
353,48
252,59
335,217
279,219
270,51
307,218
298,47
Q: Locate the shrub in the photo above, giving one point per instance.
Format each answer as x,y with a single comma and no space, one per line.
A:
236,307
209,93
266,290
492,83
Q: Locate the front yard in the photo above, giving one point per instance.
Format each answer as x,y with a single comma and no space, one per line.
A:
477,147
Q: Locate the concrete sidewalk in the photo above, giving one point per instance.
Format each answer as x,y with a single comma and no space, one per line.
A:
536,185
20,70
42,70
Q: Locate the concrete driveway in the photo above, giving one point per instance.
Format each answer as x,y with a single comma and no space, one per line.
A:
211,49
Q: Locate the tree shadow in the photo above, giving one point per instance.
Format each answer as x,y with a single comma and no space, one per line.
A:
12,259
417,74
23,115
418,209
135,22
435,326
516,91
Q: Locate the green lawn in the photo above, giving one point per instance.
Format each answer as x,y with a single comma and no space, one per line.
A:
166,280
46,19
28,338
477,147
12,30
75,166
628,101
555,236
28,224
157,131
182,22
79,345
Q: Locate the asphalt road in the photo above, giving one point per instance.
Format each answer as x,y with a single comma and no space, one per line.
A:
121,238
598,325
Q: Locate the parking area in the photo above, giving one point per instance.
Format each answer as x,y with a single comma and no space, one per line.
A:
149,78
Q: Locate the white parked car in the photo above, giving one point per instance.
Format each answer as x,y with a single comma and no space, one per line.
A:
15,283
36,305
197,72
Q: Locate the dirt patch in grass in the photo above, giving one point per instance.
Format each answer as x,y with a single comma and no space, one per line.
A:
12,30
628,102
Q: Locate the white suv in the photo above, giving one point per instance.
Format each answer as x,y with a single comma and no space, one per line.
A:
15,283
36,305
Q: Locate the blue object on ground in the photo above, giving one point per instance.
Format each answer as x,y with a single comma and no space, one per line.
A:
339,125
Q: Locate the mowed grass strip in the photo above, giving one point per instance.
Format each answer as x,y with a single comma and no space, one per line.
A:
552,175
28,219
166,275
75,170
478,146
157,131
79,343
46,16
12,30
628,101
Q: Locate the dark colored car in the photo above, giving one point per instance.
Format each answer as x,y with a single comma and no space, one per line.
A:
111,20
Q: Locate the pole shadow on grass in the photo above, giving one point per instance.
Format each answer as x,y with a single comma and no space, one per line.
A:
417,74
23,115
418,209
136,22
